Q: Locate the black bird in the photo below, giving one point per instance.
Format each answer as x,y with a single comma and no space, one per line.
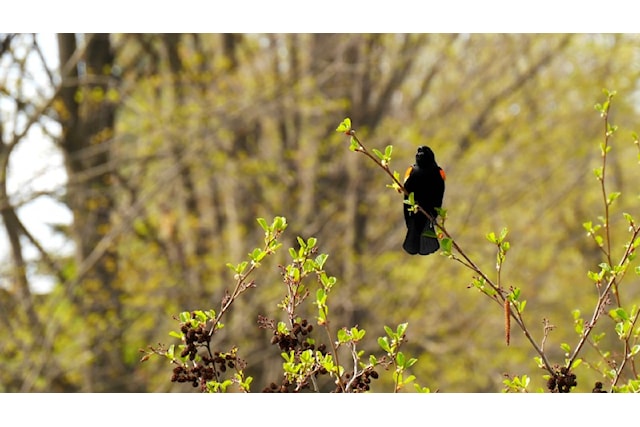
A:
425,179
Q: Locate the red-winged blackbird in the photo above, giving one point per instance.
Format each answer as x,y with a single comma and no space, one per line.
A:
425,179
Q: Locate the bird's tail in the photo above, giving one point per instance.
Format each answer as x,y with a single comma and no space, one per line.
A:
422,241
428,240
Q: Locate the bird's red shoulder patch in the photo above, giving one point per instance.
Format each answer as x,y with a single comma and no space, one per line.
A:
407,173
443,175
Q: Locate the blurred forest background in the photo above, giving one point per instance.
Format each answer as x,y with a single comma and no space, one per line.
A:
173,145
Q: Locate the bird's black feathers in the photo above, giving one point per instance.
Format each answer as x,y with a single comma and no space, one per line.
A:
425,179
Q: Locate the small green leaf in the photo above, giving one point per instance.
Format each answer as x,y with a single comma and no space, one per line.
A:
263,224
598,172
282,328
612,197
383,342
311,242
353,144
320,260
619,314
402,328
503,233
411,362
170,351
279,223
446,244
344,126
343,336
400,359
387,151
539,361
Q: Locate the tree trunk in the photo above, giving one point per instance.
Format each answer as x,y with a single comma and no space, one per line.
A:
87,131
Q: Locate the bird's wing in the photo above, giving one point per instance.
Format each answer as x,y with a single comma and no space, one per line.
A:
407,174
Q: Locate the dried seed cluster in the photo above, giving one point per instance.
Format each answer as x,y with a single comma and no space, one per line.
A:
361,382
298,340
562,381
211,366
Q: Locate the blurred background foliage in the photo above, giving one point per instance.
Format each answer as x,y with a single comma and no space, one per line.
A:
175,143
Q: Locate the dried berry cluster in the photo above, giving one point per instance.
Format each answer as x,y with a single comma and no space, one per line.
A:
210,366
296,339
193,338
598,388
562,382
361,382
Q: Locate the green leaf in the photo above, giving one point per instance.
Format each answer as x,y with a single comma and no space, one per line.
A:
357,334
353,144
256,255
539,361
598,172
388,330
521,305
301,242
201,316
402,328
446,244
320,260
344,126
387,151
401,359
171,351
263,224
279,223
343,336
612,197
619,314
383,342
282,328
